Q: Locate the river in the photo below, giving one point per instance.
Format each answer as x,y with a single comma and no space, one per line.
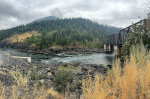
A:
95,58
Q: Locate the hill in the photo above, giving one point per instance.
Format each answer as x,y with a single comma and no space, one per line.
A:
47,18
74,33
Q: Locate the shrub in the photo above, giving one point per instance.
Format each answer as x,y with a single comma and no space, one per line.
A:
64,78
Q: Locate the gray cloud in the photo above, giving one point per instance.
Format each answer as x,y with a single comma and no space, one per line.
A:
120,13
56,12
7,10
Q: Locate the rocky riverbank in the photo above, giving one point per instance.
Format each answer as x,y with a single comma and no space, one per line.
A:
63,50
46,74
54,49
23,66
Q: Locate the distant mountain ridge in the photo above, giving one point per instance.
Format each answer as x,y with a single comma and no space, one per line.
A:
47,18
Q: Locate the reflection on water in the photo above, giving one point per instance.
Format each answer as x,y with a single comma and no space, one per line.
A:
96,58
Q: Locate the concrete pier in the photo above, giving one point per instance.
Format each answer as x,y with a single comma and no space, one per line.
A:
1,61
28,59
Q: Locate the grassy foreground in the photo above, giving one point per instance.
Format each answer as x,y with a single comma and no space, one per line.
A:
130,82
21,89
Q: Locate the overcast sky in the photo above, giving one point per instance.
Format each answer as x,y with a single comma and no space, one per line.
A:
119,13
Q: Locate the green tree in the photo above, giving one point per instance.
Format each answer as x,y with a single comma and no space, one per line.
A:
141,34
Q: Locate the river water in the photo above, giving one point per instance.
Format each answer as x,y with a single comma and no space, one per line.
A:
95,58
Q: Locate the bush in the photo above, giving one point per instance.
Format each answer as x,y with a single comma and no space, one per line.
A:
64,78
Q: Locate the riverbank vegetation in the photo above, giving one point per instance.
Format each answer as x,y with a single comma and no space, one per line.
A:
130,82
141,34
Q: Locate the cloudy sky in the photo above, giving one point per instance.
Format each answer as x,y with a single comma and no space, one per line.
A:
119,13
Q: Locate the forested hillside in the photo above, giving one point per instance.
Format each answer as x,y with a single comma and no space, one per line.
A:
76,32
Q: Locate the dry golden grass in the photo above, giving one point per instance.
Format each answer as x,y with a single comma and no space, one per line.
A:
22,37
21,89
131,82
20,79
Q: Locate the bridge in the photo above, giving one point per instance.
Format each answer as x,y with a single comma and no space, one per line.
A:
114,42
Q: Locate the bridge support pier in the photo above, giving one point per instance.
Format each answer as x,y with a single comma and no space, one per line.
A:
113,48
104,47
117,50
108,48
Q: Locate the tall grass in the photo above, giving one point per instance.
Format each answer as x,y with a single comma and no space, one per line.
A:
22,90
130,82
